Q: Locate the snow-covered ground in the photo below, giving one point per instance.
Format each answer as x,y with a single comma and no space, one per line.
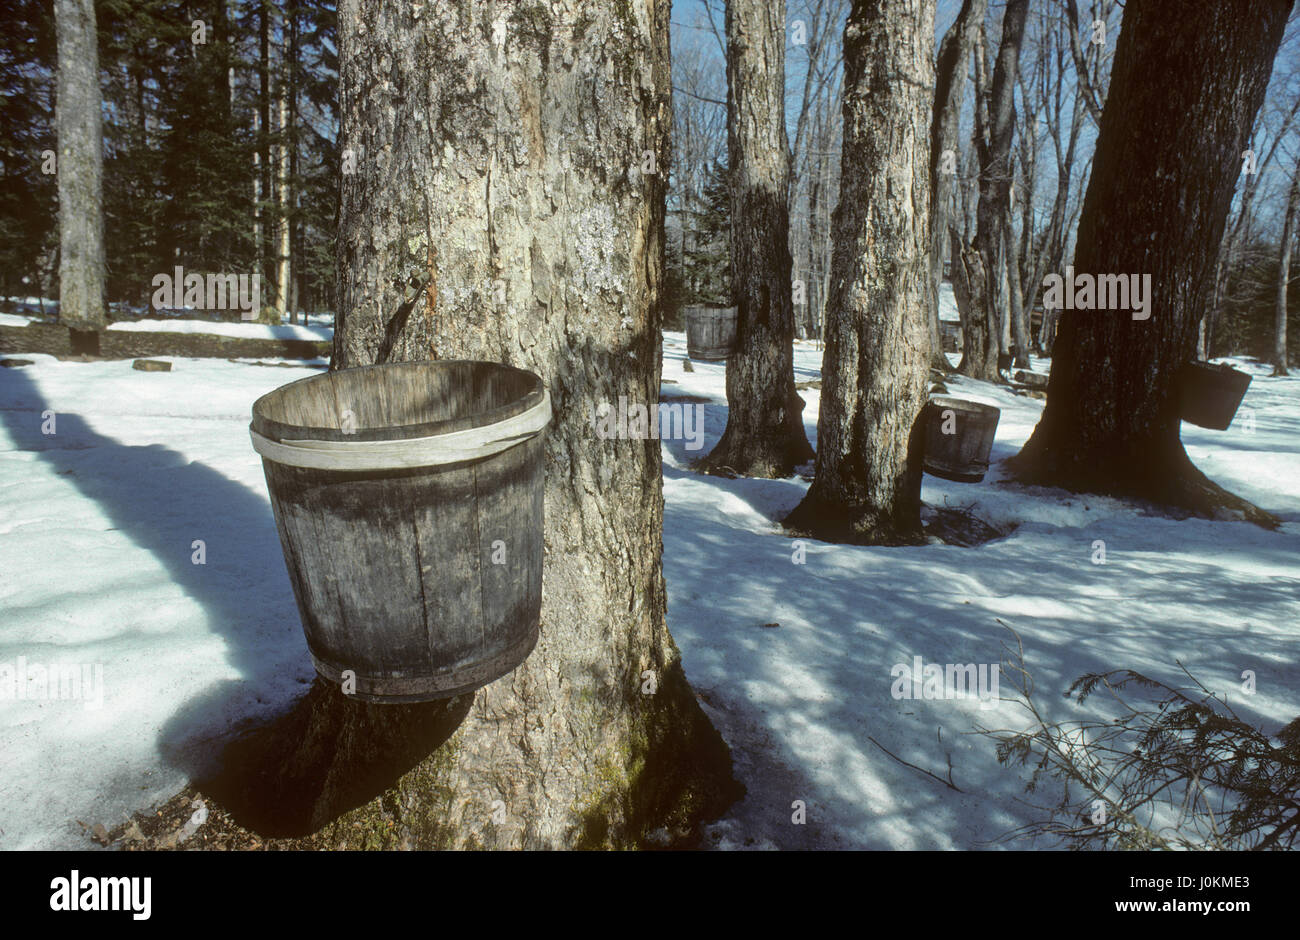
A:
948,303
320,327
321,334
797,702
98,523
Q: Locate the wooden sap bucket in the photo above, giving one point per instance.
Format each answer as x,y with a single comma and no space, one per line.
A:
710,332
963,455
408,498
950,334
1209,394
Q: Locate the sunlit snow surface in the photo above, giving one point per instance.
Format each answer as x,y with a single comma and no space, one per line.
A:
798,702
98,521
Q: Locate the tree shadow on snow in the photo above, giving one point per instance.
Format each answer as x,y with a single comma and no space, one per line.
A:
798,656
162,503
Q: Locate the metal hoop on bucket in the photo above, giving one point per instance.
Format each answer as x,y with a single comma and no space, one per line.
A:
457,446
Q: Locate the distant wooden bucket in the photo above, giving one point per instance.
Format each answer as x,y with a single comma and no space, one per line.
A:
1209,394
710,332
963,454
950,333
408,498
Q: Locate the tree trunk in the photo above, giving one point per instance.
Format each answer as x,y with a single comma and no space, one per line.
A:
282,206
1002,300
980,359
80,173
971,276
257,200
764,436
1019,325
961,275
1047,332
294,245
867,487
814,239
262,154
479,168
1284,277
1187,81
949,89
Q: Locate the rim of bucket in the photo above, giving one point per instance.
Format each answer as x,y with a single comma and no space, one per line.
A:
280,431
1217,368
964,404
955,475
403,446
1215,374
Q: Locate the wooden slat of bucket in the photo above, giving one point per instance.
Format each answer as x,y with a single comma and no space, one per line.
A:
446,527
310,405
511,511
351,544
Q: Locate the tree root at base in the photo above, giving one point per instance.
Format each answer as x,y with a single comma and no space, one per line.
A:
1172,482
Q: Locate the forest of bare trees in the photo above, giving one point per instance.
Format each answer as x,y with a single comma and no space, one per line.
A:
1046,114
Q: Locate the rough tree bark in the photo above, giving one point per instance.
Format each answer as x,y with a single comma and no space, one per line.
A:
963,270
294,242
814,241
282,246
512,158
764,436
1016,313
968,194
949,90
867,487
262,150
1284,276
80,169
982,339
1188,80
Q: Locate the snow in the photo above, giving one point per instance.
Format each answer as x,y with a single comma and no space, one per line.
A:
319,334
797,702
96,526
98,520
948,303
36,302
320,329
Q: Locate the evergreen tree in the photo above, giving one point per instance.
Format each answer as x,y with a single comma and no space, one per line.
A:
27,194
181,90
709,265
